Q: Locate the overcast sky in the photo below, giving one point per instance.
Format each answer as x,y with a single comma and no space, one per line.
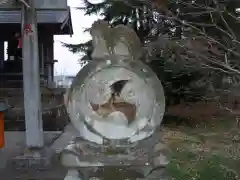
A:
67,61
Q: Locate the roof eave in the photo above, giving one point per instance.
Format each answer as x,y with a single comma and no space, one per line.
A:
68,22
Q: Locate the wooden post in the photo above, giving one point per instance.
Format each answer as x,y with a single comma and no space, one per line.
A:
1,130
49,74
31,78
49,59
42,58
50,65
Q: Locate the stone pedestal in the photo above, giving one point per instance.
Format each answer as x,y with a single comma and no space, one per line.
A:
84,159
39,159
117,103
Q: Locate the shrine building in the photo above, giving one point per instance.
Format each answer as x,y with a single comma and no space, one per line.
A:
53,17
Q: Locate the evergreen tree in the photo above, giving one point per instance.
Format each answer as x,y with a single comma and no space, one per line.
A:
116,12
181,21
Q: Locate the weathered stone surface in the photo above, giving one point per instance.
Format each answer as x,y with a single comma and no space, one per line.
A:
54,112
14,147
116,42
95,109
98,106
35,159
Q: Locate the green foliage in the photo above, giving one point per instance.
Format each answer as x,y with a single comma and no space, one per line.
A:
176,80
175,75
116,12
82,47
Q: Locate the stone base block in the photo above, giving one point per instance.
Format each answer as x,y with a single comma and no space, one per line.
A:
34,159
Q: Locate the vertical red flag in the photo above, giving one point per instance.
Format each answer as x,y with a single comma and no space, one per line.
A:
19,43
27,29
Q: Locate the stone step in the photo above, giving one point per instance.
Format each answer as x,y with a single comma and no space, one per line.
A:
16,126
27,165
19,91
54,118
53,124
51,99
51,174
15,81
54,112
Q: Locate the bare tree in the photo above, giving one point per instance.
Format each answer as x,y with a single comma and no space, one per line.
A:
208,39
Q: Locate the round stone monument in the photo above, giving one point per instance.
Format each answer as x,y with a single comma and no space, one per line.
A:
115,101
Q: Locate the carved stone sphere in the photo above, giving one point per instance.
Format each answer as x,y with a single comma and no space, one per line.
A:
115,100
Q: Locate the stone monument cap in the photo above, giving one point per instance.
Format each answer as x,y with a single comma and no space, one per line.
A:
119,41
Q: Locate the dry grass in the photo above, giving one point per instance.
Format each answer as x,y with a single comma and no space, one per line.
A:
204,153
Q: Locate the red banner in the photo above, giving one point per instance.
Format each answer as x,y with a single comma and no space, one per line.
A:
27,29
20,43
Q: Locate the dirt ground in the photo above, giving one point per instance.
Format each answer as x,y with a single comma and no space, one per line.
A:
203,153
211,153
